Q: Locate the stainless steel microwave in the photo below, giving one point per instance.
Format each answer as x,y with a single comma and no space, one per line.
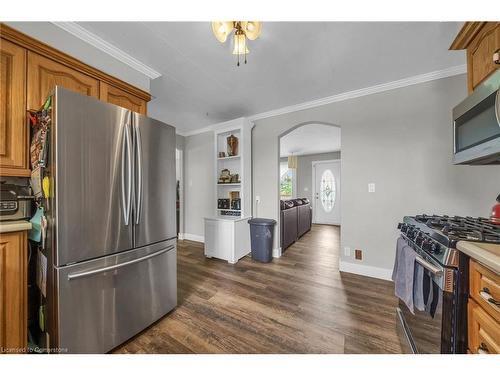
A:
476,125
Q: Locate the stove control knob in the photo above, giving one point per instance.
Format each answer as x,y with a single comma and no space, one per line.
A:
435,247
426,245
419,238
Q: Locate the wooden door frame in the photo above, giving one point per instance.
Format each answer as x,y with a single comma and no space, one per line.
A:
313,165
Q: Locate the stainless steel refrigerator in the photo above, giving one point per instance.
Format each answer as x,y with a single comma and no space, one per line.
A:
111,243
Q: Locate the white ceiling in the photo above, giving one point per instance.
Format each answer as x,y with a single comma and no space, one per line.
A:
291,63
310,139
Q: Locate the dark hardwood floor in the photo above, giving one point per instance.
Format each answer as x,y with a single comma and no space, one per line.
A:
299,303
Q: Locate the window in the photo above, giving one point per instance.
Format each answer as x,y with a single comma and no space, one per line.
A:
287,181
327,190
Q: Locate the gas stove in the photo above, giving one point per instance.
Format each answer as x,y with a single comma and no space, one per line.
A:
437,236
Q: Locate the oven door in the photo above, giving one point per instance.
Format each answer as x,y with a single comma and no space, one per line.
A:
424,333
420,333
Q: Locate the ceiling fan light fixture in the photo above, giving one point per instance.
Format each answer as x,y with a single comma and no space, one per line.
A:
242,31
240,44
222,29
252,29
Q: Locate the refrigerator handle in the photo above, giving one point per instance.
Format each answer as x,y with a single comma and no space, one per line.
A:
126,190
138,142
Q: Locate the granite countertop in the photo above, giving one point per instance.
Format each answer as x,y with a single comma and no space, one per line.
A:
14,226
485,253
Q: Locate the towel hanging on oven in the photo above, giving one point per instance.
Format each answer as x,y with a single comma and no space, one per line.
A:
403,273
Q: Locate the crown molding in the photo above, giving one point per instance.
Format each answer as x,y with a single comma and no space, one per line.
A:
83,34
409,81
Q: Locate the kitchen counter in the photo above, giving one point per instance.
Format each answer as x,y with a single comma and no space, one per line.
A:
14,226
487,254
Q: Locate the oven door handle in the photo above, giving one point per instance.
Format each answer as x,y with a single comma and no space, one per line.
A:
429,266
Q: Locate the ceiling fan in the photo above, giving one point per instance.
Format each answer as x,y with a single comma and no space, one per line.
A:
242,31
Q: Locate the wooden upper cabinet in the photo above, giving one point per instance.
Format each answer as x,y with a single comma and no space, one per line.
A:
44,74
481,40
13,127
119,97
13,291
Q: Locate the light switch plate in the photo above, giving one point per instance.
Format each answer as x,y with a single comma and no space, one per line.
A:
371,187
347,251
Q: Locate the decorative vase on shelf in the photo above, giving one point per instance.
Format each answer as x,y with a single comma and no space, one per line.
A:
232,145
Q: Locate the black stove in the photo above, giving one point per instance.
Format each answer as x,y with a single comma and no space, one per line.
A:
434,239
438,235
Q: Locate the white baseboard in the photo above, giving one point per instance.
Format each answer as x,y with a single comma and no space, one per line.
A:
192,237
277,252
362,269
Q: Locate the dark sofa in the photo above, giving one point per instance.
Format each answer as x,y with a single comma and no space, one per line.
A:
296,219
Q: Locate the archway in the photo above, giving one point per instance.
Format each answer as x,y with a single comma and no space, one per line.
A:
315,147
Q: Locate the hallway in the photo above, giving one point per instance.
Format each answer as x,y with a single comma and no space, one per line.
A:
299,303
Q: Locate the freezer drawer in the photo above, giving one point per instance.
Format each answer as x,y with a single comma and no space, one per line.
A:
106,301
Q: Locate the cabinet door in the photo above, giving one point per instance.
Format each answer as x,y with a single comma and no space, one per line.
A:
13,291
481,52
13,127
119,97
44,74
484,331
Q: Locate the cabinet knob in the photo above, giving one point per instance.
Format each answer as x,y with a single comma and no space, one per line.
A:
483,349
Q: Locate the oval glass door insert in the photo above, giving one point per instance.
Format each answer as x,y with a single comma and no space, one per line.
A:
327,190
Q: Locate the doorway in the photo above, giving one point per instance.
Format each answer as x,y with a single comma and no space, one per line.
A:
309,186
326,192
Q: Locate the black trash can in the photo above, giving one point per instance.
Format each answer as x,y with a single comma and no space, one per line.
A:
261,236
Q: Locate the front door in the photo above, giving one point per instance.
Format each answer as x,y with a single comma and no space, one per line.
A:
326,185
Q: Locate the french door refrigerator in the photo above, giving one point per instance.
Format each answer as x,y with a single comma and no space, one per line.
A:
112,230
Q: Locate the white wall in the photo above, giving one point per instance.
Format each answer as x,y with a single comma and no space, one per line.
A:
199,182
402,141
55,37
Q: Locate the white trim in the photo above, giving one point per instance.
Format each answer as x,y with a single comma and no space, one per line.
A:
193,237
277,252
364,270
220,127
181,189
180,236
409,81
313,188
96,41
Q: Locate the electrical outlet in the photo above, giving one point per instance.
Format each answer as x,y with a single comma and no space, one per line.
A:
358,254
347,251
371,187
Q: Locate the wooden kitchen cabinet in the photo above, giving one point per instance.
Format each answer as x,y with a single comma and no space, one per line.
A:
483,314
13,127
484,331
44,74
114,95
13,291
480,40
29,71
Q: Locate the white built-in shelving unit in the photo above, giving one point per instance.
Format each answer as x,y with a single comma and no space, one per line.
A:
227,233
